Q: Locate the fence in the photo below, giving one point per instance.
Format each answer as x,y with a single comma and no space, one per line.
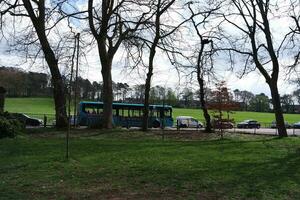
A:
48,119
265,128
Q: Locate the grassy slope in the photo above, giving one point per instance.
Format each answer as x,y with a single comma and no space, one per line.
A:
46,105
30,105
239,115
118,165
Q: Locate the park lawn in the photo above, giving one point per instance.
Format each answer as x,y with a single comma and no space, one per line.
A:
238,116
30,105
40,106
133,165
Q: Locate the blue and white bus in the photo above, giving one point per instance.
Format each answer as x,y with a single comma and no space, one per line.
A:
125,114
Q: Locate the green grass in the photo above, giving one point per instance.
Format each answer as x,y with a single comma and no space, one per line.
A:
238,116
133,165
30,105
46,106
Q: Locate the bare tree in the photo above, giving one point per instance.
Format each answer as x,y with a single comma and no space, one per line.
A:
253,38
293,36
44,17
295,15
111,23
204,65
161,6
160,36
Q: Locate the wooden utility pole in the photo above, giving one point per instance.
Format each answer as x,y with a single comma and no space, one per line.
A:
76,79
70,99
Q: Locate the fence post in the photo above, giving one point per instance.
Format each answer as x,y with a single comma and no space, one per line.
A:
234,126
45,121
294,131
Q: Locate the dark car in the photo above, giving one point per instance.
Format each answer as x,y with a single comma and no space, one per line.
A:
28,121
274,125
249,124
296,125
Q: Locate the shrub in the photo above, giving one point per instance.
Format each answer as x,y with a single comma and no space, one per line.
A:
9,127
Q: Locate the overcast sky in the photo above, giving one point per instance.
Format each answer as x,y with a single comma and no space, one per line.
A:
164,73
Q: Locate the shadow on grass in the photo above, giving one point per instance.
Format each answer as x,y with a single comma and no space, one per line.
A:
259,168
276,176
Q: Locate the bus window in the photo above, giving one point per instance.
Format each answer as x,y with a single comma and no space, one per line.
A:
115,112
151,113
135,113
167,113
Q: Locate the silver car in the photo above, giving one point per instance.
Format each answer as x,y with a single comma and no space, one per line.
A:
188,122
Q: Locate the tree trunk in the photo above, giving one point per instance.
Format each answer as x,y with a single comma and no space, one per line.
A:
108,94
203,105
2,99
201,85
58,85
107,91
278,110
146,101
59,101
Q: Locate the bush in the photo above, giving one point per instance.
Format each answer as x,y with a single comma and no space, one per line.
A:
9,127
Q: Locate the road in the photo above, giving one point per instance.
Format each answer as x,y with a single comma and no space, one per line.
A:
264,131
261,131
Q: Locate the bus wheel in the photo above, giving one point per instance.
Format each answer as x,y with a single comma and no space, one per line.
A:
155,124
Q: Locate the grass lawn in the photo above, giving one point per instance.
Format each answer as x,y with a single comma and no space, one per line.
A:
46,106
134,165
265,118
30,105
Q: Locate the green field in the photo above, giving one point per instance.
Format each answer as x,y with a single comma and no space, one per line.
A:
46,106
30,105
238,116
133,165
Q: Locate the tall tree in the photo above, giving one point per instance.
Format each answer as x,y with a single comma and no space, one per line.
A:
287,103
296,94
246,97
260,103
40,15
204,58
255,40
111,23
161,7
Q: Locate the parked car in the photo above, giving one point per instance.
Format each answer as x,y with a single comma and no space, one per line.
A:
296,125
250,123
188,122
28,121
274,125
217,124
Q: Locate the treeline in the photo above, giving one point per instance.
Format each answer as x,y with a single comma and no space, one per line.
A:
262,103
20,83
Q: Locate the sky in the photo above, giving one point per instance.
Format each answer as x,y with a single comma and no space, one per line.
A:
164,73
